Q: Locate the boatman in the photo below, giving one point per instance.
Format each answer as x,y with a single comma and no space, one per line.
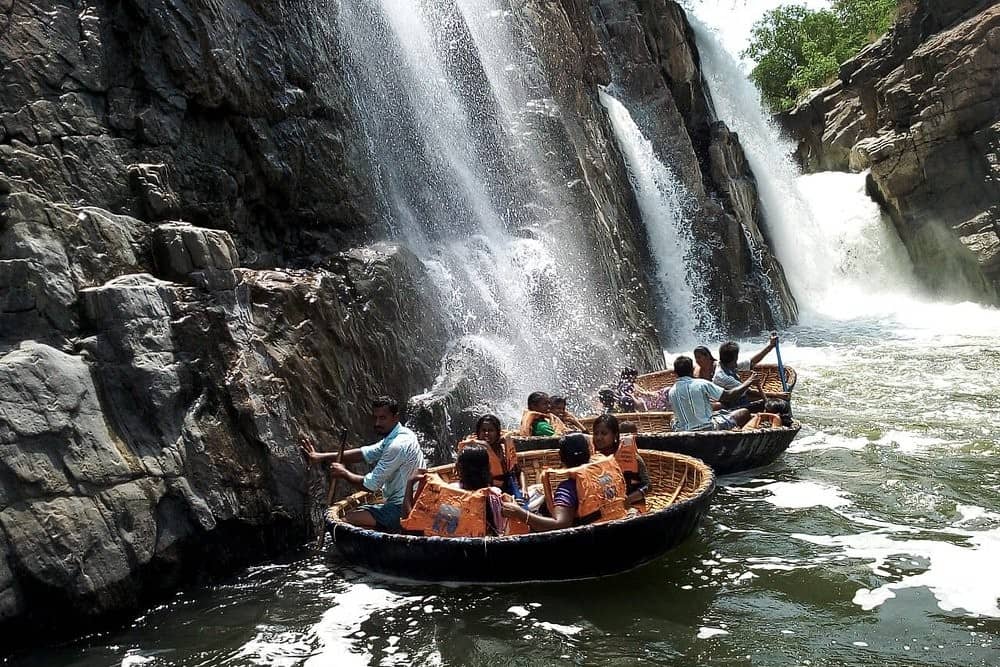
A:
727,375
393,460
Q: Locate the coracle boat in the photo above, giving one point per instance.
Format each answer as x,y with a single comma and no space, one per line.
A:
769,373
681,488
725,451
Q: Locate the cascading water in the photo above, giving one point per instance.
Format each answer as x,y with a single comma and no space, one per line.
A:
663,201
444,101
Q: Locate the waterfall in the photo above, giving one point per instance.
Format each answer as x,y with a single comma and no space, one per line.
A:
840,254
452,108
663,201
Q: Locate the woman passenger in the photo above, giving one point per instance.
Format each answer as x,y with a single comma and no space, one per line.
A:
473,469
506,473
608,441
574,450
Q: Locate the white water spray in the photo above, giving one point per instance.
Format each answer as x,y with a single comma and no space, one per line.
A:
663,201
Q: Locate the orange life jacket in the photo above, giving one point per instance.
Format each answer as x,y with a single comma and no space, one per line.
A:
627,457
441,509
600,489
763,420
529,417
500,465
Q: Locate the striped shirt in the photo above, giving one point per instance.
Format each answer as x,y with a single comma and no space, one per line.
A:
394,459
691,400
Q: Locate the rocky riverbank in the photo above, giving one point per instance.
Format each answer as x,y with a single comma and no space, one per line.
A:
921,110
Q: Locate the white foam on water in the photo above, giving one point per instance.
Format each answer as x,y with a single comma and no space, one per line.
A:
707,633
568,630
349,610
961,577
800,495
909,443
519,611
134,659
822,440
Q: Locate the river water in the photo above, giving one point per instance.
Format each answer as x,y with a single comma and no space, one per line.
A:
873,540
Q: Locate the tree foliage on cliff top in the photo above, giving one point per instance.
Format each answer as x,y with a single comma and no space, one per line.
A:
798,49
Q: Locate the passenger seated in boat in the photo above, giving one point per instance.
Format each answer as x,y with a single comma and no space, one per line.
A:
704,363
593,490
504,468
470,507
691,398
609,442
558,404
393,459
538,419
727,375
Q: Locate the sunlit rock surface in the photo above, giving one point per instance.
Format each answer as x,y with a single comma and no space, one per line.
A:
921,110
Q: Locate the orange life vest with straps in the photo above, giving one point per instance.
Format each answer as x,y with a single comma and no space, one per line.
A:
529,417
627,457
500,464
441,509
600,489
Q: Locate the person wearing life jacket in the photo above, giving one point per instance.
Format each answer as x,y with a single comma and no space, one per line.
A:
504,468
609,441
558,405
469,508
593,491
538,419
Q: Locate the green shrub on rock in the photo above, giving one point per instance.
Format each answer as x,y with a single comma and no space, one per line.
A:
798,49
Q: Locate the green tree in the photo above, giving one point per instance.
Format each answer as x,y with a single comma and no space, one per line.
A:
798,49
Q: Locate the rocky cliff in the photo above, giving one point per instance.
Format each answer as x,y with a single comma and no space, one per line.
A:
157,161
921,110
656,72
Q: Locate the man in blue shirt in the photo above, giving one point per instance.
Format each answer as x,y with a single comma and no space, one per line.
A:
393,460
691,399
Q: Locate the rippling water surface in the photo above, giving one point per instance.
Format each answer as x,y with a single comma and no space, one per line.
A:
874,540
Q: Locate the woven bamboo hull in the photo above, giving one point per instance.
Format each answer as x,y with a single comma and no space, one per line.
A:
769,376
582,552
725,451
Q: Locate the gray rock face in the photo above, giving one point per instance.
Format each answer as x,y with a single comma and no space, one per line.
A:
921,110
654,64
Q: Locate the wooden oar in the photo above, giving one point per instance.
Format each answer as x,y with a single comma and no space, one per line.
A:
332,490
781,367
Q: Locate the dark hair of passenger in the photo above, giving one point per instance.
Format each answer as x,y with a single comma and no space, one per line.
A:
473,468
557,400
608,420
386,402
683,366
628,427
574,450
629,372
729,353
488,419
536,396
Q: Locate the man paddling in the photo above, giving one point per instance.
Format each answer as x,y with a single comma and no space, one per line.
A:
727,375
393,459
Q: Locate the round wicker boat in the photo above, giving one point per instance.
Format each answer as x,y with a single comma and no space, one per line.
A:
768,372
725,451
681,488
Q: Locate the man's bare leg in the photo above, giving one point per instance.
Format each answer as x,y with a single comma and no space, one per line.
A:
361,519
